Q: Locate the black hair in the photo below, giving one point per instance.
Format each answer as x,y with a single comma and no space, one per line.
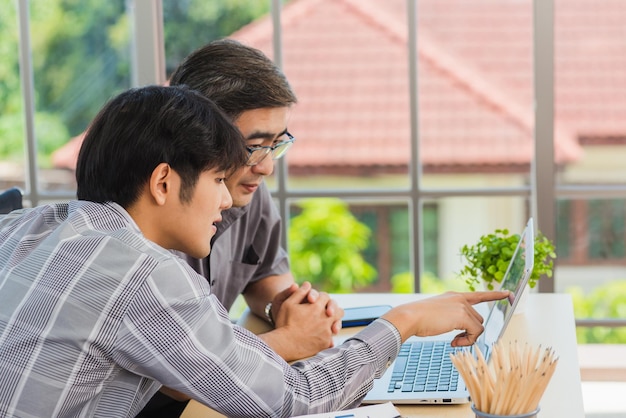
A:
143,127
235,76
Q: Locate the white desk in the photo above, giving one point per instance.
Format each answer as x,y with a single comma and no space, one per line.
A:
547,320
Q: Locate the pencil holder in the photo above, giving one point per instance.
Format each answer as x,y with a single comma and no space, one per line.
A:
510,384
481,414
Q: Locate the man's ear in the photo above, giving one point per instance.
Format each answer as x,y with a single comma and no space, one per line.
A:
161,183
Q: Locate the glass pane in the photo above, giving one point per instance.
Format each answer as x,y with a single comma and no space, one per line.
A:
12,168
342,246
592,266
590,87
81,57
350,72
590,111
597,335
450,223
332,242
475,89
191,24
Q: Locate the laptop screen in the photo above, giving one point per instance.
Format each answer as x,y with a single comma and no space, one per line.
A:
514,280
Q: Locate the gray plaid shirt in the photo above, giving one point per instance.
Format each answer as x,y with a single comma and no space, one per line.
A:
93,316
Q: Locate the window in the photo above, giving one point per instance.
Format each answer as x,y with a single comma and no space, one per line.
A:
434,120
79,57
592,232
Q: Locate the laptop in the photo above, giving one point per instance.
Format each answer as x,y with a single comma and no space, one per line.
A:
423,372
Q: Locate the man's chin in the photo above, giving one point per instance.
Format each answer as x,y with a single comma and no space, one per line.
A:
242,200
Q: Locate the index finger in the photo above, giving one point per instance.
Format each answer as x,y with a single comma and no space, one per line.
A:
477,297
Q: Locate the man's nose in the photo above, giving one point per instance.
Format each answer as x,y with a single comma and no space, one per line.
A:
265,167
227,199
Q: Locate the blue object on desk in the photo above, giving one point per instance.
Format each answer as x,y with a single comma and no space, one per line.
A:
363,315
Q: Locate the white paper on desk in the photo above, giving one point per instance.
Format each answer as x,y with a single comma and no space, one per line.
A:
383,410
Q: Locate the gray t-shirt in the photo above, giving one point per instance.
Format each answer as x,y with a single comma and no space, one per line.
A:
245,249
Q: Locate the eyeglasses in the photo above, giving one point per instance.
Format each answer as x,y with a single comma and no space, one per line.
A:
256,154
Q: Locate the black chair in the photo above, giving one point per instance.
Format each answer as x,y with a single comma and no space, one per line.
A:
10,200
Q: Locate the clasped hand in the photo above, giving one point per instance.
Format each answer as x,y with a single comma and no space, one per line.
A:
305,321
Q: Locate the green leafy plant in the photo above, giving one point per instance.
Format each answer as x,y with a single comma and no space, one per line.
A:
488,259
325,246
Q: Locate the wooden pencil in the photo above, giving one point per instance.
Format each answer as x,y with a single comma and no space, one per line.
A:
512,382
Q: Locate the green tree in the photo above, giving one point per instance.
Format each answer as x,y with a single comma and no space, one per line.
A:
189,24
606,301
78,64
325,245
11,119
81,58
10,102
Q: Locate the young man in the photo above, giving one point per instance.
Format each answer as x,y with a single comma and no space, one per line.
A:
96,313
247,257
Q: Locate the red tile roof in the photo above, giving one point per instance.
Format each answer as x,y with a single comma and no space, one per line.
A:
347,61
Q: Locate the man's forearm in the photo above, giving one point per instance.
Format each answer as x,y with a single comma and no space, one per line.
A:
259,293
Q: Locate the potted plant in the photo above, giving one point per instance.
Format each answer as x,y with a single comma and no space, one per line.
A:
487,260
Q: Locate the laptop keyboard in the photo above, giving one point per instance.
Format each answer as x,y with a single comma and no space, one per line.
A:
424,367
